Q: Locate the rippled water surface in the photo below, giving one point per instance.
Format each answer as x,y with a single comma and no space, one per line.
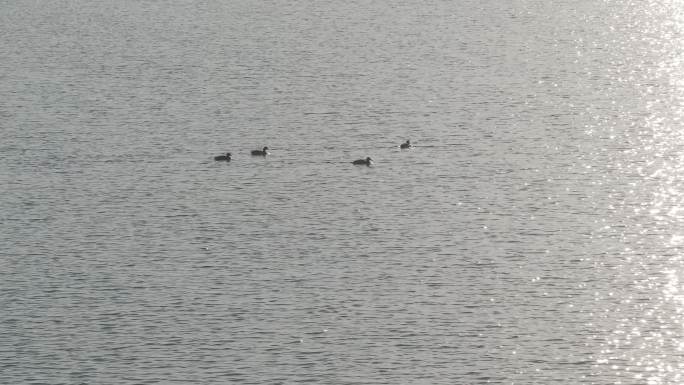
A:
533,235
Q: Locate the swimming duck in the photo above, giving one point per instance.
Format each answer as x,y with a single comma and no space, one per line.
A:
262,152
223,157
366,161
406,145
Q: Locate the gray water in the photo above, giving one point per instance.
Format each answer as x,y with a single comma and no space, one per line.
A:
533,235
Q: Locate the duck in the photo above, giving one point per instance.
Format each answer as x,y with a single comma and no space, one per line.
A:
262,152
366,161
406,145
223,157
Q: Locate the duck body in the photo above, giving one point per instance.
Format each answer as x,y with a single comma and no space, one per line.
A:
262,152
405,145
225,158
366,161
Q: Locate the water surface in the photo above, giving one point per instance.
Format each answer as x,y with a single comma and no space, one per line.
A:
533,235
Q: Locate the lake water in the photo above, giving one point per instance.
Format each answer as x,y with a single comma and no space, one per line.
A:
533,235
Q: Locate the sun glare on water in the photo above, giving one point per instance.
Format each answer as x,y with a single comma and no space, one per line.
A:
640,306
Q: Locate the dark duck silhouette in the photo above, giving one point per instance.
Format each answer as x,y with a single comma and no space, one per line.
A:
223,157
406,145
366,161
262,152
